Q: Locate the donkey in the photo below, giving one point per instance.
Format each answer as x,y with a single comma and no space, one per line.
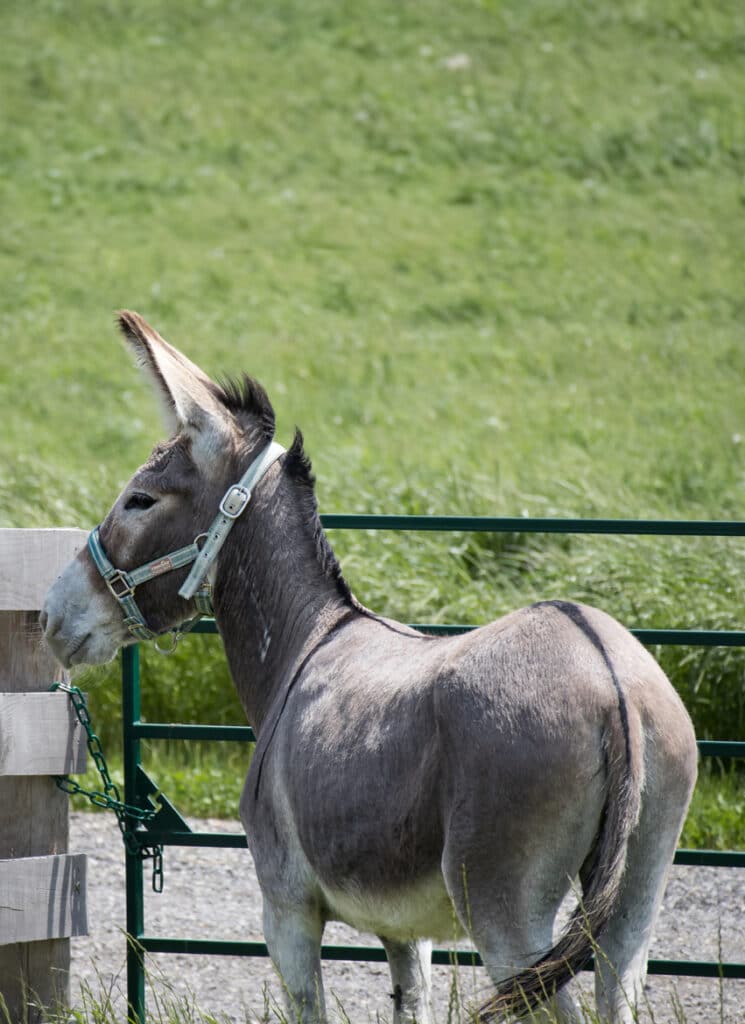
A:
411,786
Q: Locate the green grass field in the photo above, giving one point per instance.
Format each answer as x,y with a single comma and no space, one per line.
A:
489,256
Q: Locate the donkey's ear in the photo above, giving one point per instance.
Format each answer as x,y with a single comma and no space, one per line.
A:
188,397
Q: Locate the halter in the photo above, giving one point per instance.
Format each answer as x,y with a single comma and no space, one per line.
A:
202,552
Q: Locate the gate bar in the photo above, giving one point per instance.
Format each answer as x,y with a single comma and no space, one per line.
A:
672,637
440,957
135,901
529,524
237,841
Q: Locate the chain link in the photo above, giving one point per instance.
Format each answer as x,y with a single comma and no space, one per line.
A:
127,815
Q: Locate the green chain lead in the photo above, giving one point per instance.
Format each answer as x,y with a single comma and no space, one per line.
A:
126,814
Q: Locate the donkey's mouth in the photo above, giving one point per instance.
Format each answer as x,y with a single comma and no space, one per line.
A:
76,648
66,653
98,647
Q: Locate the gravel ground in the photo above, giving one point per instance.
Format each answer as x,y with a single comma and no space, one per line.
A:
214,894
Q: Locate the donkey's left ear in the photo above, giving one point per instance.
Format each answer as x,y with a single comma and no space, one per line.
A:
187,395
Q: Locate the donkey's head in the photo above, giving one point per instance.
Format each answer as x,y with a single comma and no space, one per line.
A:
125,584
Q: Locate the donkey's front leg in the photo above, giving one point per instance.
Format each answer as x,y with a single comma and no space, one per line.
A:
410,964
294,940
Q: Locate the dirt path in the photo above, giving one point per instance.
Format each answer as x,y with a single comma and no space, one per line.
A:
214,894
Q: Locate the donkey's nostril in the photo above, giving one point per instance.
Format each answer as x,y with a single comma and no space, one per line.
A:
43,619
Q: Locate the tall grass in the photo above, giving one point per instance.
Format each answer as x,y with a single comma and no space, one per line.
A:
101,1003
488,255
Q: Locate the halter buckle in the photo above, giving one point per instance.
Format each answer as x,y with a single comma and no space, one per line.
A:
119,577
235,500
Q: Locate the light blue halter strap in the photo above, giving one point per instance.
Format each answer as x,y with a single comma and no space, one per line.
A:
231,507
122,584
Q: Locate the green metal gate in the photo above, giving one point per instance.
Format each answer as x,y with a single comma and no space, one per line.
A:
169,829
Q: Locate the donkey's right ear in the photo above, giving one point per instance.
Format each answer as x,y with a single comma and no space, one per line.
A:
187,395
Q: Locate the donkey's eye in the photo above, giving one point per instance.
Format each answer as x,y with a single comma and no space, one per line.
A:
139,500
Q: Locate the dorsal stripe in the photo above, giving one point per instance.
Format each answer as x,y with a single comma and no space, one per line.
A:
577,616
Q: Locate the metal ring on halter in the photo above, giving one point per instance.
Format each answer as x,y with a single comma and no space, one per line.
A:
174,634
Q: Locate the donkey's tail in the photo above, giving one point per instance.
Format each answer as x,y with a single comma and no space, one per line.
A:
601,873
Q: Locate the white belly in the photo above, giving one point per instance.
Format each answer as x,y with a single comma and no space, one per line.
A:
423,911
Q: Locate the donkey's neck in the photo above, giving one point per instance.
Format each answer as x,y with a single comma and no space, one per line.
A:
275,596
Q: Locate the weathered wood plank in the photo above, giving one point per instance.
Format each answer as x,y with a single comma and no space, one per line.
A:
40,735
42,898
48,964
30,561
33,811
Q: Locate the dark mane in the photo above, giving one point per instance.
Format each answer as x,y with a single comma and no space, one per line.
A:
298,468
247,396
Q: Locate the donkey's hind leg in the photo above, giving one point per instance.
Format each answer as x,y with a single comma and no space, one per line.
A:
294,942
410,964
510,911
502,960
621,957
512,934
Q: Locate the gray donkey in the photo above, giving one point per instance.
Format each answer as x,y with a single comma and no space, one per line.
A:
414,787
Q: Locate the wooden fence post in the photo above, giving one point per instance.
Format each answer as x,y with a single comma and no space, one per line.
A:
42,887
